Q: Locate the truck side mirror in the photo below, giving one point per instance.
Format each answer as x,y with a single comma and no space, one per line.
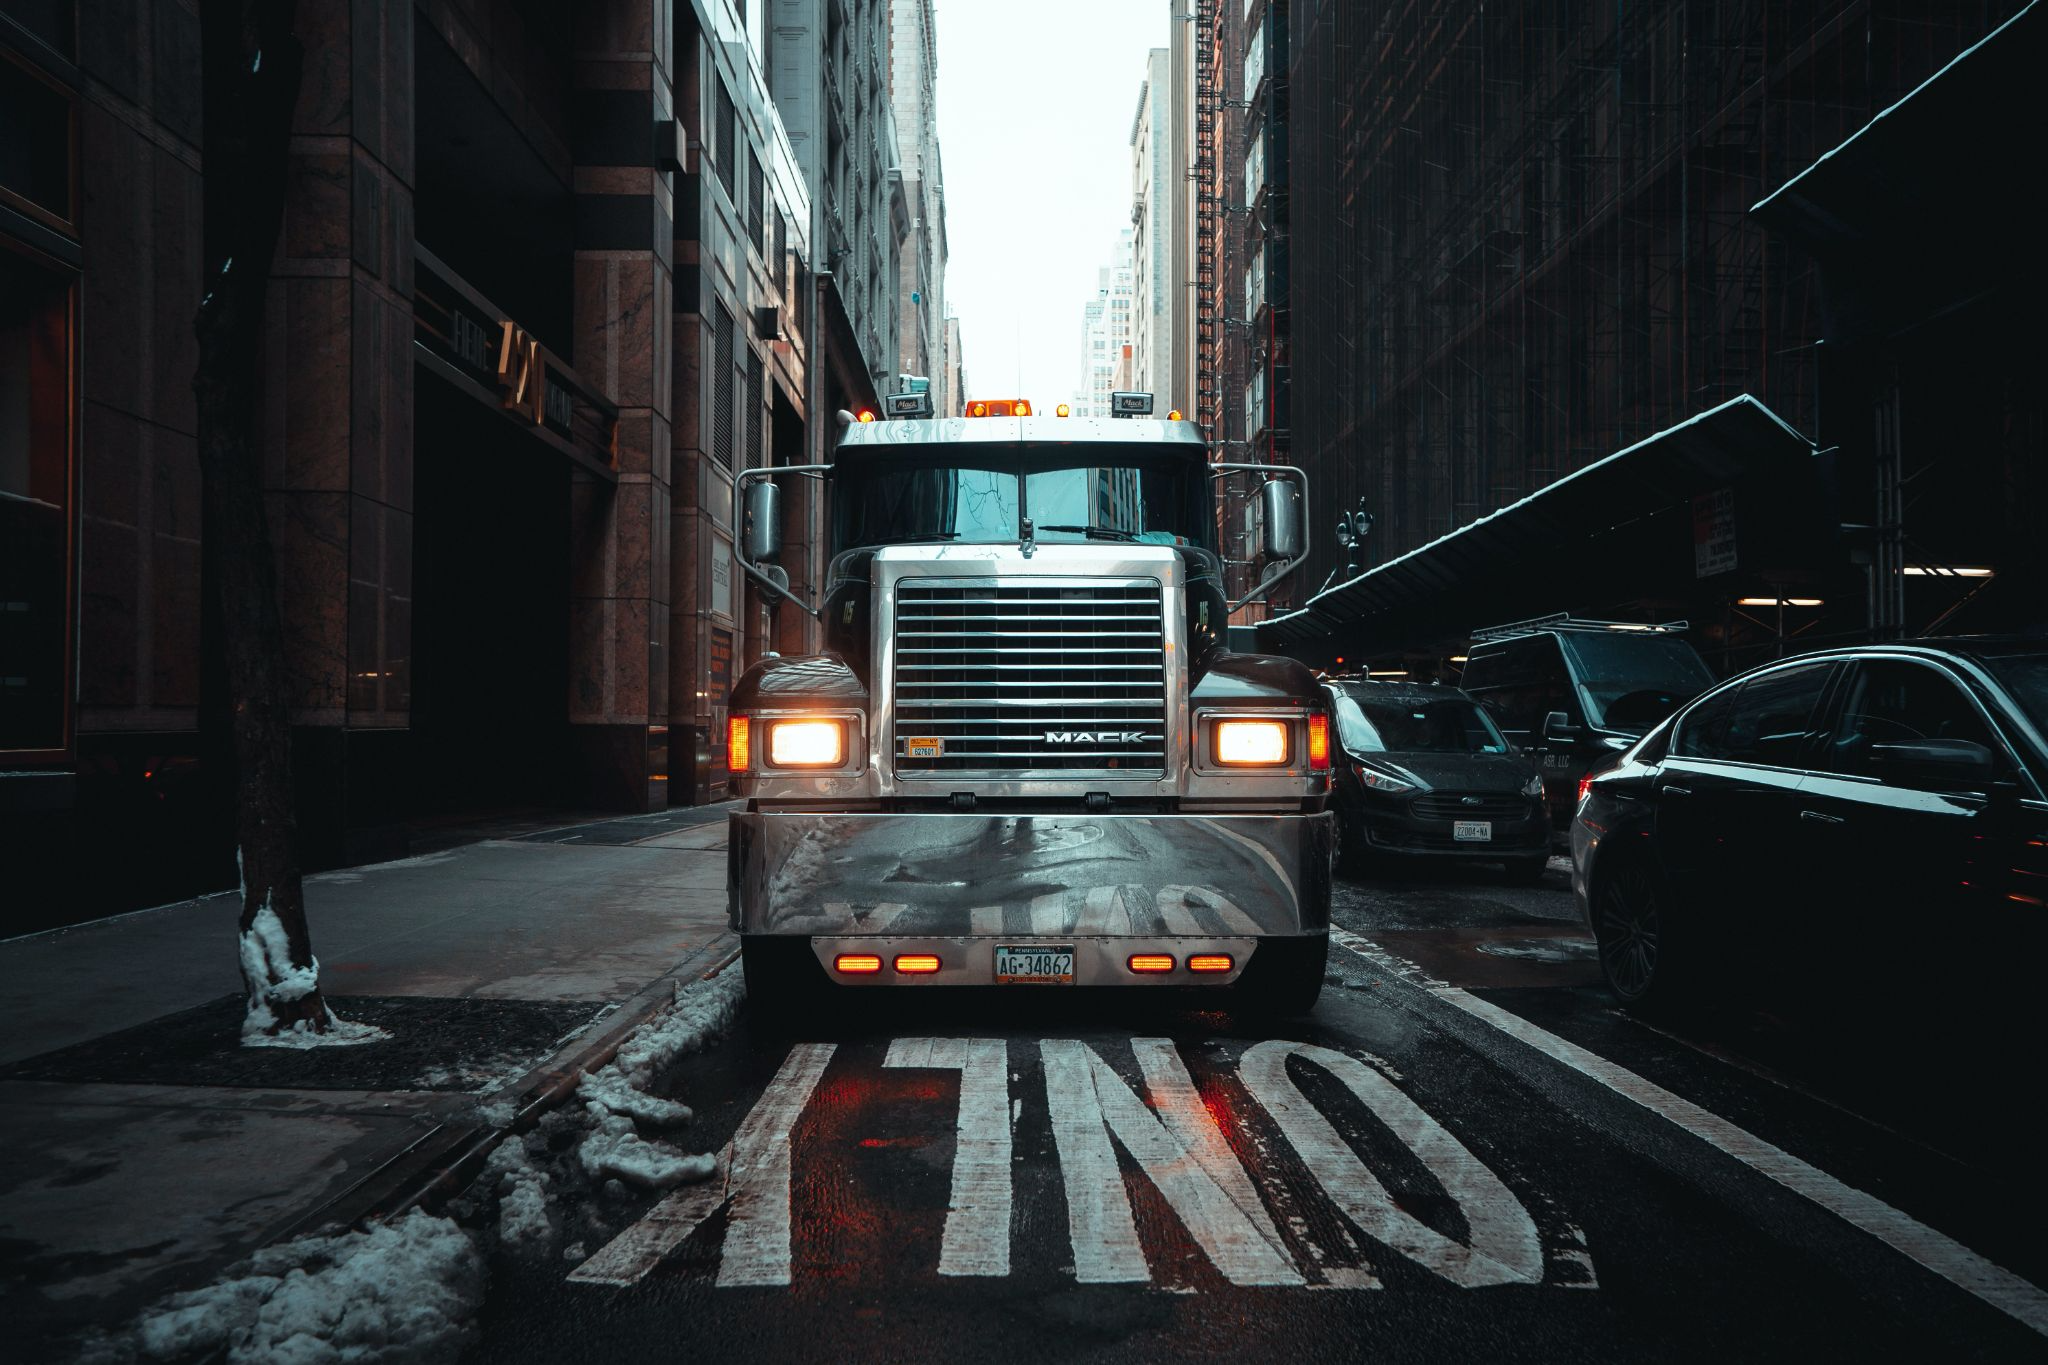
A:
1558,728
1280,508
761,540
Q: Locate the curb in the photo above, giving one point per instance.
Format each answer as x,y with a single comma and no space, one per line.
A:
448,1156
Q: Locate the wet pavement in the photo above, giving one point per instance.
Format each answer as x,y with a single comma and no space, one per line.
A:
1465,1151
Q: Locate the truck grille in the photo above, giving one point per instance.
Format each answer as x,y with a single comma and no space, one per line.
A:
1030,675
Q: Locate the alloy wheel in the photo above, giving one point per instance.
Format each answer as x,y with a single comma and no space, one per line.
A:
1630,933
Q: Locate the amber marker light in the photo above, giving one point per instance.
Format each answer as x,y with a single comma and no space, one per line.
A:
806,743
977,409
1251,743
1211,962
1318,743
857,964
1022,409
1063,411
1150,962
866,415
737,748
916,964
1173,414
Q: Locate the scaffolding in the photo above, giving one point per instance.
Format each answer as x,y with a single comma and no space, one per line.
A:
1522,234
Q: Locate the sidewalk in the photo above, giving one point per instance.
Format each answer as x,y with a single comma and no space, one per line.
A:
147,1150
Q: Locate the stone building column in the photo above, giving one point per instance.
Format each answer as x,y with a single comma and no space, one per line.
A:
619,542
338,425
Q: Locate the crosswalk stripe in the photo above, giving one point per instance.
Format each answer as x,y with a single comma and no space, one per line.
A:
1049,913
1175,913
977,1239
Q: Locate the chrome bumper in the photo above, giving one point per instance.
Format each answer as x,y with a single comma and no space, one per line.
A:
921,878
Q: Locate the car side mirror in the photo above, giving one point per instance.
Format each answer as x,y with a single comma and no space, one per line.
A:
761,540
1280,508
1558,728
1955,765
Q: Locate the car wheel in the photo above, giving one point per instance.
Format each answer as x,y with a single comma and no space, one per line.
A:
1284,977
1632,924
1528,871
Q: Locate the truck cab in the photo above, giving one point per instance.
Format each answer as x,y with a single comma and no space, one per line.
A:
1025,755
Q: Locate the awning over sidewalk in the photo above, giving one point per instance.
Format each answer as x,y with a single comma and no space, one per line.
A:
1620,528
1933,195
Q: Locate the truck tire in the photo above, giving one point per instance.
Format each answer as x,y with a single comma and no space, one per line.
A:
1284,977
782,980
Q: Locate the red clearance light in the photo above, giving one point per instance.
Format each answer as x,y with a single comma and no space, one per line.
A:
916,964
857,964
1150,962
866,415
737,746
1211,962
1318,742
1585,785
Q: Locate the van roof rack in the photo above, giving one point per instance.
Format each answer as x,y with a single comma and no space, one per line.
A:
1566,621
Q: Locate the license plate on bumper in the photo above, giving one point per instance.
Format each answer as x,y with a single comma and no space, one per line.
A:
1035,965
1472,831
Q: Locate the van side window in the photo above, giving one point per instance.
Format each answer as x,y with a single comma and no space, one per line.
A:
1520,684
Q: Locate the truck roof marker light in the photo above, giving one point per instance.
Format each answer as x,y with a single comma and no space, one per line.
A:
1063,411
738,749
917,964
1021,408
1150,962
857,964
1173,414
1318,742
866,415
977,409
1211,962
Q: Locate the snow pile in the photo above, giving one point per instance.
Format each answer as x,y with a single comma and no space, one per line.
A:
616,1100
402,1291
267,959
522,1190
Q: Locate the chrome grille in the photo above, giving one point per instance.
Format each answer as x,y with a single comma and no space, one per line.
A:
1031,675
1471,806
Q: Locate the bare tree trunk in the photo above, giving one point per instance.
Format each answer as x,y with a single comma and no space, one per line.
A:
251,63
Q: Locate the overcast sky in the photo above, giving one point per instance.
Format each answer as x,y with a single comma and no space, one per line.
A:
1035,106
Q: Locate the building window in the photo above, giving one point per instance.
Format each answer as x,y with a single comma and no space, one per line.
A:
35,507
754,455
38,152
757,204
721,385
725,151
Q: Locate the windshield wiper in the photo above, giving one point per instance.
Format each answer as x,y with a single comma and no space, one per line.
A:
1095,532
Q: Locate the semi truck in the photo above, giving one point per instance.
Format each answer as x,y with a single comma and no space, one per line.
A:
1025,755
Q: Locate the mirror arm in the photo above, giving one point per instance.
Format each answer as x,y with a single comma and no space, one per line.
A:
1266,584
779,582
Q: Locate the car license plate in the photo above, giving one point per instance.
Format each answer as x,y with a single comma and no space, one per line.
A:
1035,965
1472,831
924,746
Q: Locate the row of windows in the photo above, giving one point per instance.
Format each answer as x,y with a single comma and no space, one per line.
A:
1776,719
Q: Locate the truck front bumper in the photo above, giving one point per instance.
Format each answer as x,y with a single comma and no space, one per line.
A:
1029,878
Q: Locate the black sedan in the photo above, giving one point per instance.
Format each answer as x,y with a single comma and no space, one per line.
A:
1424,773
1853,820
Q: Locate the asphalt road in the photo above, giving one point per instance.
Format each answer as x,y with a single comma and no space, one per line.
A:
1465,1152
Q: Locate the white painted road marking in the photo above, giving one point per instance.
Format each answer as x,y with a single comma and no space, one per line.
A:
1088,1101
1504,1248
1950,1259
752,1172
977,1238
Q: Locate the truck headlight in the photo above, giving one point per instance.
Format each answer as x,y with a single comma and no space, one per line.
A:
1251,743
806,743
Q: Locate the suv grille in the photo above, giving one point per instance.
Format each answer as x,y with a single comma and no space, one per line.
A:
1021,675
1482,806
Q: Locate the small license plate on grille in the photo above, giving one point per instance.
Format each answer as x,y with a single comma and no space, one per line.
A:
925,746
1472,831
1035,965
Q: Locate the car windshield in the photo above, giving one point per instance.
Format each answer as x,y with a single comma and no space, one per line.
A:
911,494
2026,677
1629,681
1451,724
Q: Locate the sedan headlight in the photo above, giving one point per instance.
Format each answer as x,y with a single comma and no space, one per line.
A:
1251,743
1533,788
806,743
1384,782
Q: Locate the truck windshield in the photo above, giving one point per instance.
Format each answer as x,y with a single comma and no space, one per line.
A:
1630,680
908,495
